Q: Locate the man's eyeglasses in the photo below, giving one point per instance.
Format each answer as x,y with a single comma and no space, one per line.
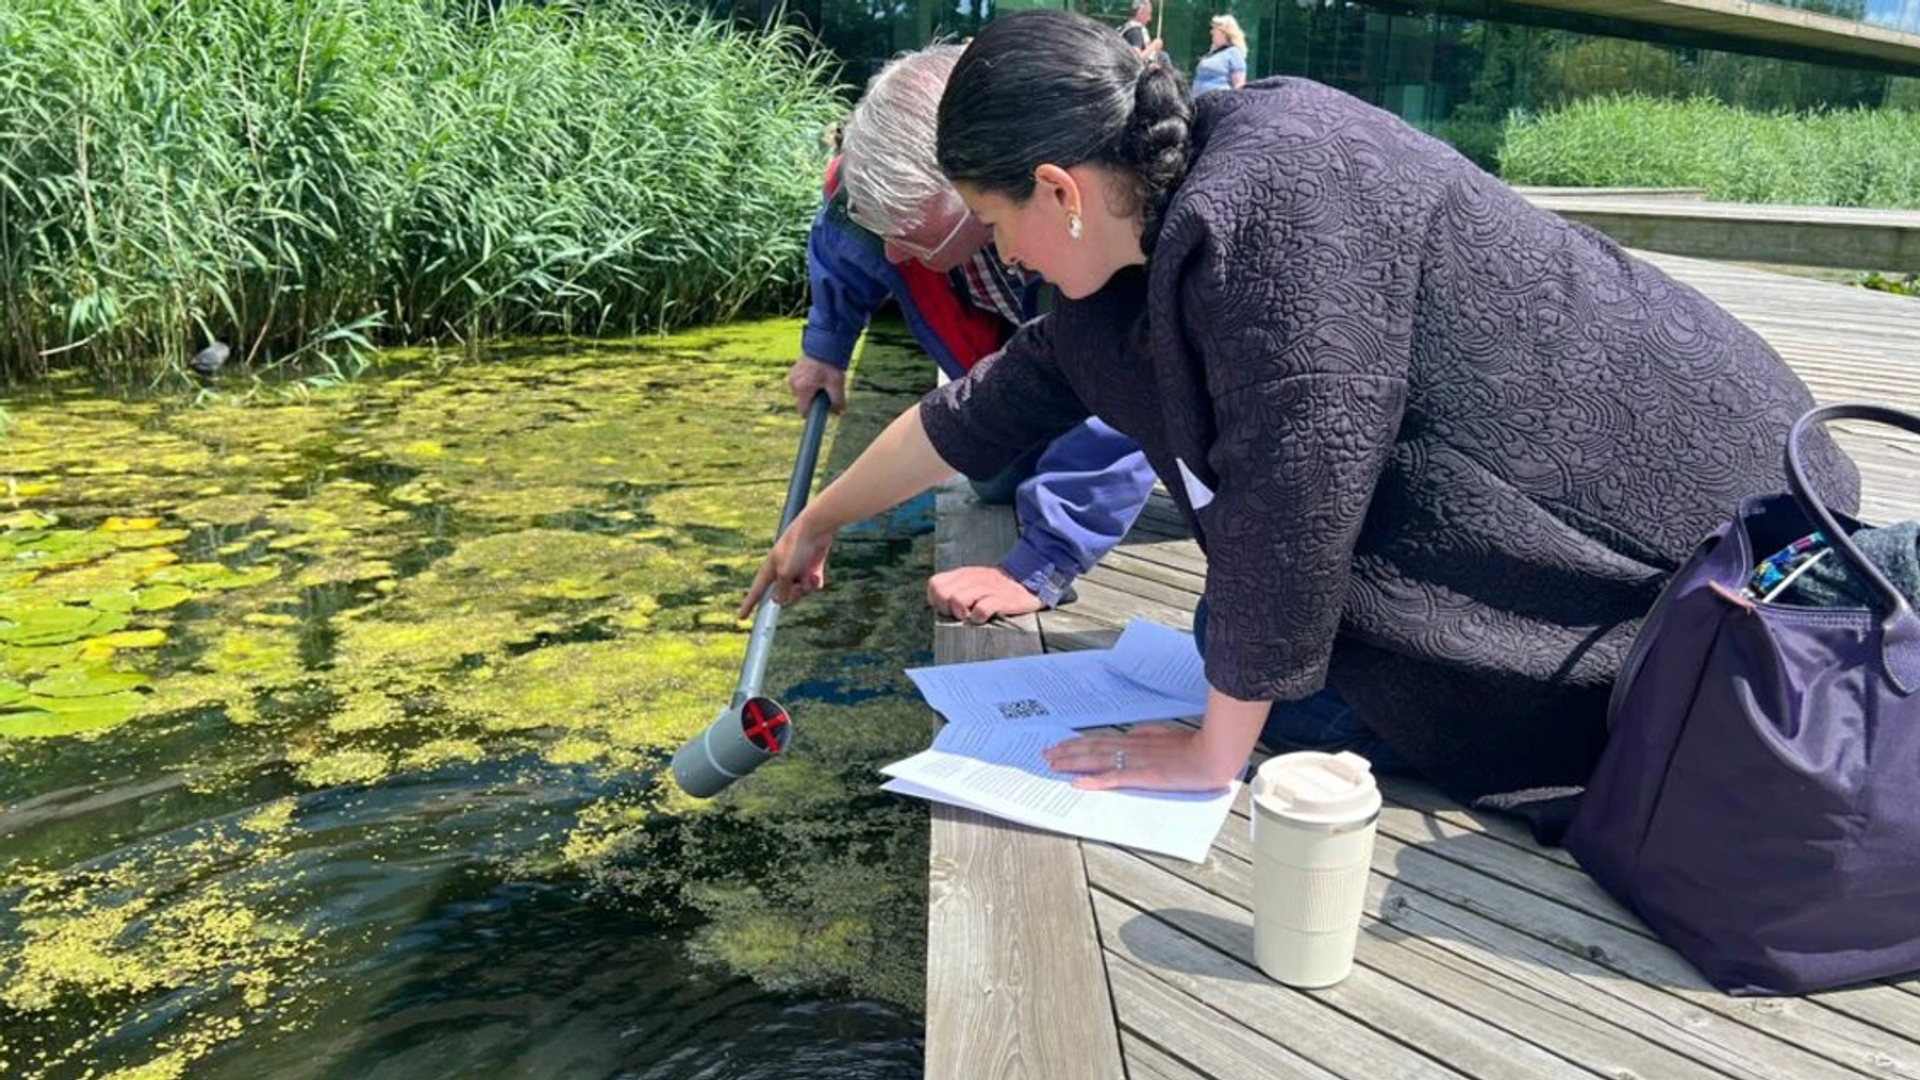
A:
918,251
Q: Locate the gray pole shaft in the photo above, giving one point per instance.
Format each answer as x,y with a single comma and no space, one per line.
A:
766,618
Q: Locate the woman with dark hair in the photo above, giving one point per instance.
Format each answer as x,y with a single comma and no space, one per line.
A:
1441,448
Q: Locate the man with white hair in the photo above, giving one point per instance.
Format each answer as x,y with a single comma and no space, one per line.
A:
1136,32
892,227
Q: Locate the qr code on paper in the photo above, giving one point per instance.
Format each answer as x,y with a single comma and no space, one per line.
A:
1023,709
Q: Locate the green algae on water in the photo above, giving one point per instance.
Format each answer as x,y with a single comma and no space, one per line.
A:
519,567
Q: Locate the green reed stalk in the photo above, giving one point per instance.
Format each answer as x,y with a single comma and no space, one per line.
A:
305,177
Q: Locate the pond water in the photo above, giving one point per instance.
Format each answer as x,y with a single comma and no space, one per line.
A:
333,729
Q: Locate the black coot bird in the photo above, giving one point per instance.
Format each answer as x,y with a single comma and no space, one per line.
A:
208,361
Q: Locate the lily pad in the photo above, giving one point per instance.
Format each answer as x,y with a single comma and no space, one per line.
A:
45,718
119,601
151,538
26,661
55,624
162,596
122,524
86,683
134,639
61,548
12,544
26,519
216,575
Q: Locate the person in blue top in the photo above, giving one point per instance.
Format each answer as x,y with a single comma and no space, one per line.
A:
892,227
1225,65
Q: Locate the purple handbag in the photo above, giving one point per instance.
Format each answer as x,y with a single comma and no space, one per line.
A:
1758,802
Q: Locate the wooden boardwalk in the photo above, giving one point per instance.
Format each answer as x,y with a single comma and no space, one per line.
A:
1483,955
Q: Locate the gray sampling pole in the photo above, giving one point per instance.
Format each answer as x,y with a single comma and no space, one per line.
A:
753,730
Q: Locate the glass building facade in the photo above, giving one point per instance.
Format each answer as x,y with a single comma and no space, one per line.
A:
1457,68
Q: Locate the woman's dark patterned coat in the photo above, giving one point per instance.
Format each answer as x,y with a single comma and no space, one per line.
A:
1441,448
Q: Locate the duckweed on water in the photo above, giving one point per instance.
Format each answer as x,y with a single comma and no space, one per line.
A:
524,570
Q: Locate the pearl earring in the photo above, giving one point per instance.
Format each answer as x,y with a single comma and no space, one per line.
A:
1073,225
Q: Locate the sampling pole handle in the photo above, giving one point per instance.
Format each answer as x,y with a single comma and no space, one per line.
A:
766,617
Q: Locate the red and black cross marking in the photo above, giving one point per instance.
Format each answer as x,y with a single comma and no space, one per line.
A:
765,724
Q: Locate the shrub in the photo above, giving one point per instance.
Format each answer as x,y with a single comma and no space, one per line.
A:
295,175
1903,285
1843,158
1478,140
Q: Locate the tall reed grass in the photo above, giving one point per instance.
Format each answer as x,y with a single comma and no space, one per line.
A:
301,176
1843,158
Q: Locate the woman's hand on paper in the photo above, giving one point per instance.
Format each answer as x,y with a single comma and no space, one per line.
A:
1160,757
795,567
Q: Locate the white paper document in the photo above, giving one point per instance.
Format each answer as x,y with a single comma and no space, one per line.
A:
1151,673
998,769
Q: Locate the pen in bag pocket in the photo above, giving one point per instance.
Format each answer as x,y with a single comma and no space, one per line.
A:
1777,571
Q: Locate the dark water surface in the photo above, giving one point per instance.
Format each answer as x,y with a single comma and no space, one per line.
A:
333,729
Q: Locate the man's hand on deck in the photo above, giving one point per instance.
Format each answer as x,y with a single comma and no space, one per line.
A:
974,594
1163,757
810,376
795,567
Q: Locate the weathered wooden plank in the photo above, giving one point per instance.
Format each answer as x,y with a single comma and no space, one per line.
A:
1895,1013
1634,962
1178,553
967,533
1147,526
1642,961
1110,603
1067,630
1885,1007
1575,1031
1016,984
1215,1045
1216,988
1543,974
1161,510
1417,794
1148,583
1550,971
1380,1006
1490,871
1512,864
1145,1061
1187,580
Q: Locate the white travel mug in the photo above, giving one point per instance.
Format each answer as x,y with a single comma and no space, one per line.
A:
1313,822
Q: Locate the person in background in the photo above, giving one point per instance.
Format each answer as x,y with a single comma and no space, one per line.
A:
1442,449
892,227
1225,65
1135,31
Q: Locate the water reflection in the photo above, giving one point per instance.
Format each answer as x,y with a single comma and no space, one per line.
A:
332,732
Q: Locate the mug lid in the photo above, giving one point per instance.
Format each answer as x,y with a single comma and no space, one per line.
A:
1318,787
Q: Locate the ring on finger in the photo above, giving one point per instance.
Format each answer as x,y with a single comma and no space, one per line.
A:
1119,761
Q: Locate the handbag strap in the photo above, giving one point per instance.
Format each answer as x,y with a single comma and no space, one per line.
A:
1900,629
